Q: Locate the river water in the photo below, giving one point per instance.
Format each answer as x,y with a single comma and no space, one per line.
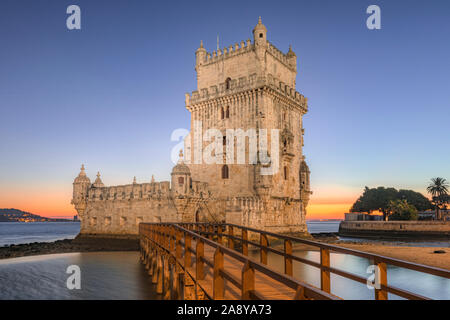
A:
119,275
104,275
21,232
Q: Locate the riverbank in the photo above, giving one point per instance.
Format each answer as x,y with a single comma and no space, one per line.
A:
69,245
414,254
421,255
432,230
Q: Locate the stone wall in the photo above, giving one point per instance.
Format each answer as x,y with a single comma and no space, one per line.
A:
396,229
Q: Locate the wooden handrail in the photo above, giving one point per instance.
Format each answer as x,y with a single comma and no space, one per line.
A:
206,232
310,291
392,261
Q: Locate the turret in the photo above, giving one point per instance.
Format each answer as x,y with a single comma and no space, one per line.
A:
260,34
200,55
81,186
305,188
98,183
292,58
181,177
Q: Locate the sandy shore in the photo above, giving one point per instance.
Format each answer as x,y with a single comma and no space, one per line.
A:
421,255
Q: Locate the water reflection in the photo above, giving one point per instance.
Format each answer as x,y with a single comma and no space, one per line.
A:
104,275
413,281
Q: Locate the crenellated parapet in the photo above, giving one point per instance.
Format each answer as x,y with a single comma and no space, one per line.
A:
152,190
227,52
243,84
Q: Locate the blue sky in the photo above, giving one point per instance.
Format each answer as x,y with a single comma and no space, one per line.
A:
110,95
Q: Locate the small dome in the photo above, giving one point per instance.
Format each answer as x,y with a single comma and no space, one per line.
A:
82,178
98,183
260,27
290,52
304,167
201,48
181,167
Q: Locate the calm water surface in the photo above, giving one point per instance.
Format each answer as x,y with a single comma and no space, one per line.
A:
104,275
21,232
416,282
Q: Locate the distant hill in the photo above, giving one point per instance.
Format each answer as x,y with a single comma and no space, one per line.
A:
15,215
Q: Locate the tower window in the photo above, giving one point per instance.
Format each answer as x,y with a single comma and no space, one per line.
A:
180,180
222,113
286,172
227,113
225,174
224,140
261,35
228,83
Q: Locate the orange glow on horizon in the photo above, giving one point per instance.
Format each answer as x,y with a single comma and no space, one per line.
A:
327,210
53,201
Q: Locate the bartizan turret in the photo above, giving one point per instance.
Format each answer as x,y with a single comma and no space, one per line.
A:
81,186
260,39
181,177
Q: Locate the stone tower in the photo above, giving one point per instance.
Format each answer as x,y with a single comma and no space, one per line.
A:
81,185
248,88
243,162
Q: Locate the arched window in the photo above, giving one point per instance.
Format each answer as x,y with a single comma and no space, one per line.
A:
224,141
286,172
225,174
222,113
228,84
227,113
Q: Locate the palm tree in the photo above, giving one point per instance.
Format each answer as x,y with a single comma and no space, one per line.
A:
438,188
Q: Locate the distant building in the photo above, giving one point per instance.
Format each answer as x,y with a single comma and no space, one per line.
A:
361,216
75,218
431,214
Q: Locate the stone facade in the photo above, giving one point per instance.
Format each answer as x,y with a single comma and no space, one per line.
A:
248,86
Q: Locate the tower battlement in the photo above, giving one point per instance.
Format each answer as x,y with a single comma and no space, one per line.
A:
243,84
243,60
242,48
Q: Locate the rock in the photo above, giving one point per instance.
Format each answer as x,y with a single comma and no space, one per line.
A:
439,251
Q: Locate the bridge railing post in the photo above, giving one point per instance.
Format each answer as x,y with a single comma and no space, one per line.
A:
219,234
244,242
178,245
172,237
325,282
218,281
288,260
230,239
199,263
263,250
211,232
381,280
187,250
248,281
300,293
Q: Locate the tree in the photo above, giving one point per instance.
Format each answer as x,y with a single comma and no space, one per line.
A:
438,188
416,199
401,210
375,199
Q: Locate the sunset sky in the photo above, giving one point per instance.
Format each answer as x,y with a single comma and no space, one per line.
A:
110,95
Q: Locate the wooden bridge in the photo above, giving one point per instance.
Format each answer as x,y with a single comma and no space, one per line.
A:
195,261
